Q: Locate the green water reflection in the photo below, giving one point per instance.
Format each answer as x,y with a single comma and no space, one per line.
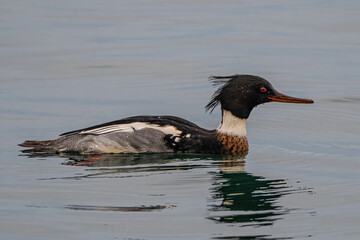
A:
247,199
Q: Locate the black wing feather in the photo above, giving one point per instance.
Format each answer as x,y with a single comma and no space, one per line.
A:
177,122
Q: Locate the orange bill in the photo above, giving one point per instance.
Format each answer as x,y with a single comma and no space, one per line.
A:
279,97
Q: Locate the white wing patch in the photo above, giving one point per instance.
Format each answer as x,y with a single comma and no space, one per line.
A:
131,127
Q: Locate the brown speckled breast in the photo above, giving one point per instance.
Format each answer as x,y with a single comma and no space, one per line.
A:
232,144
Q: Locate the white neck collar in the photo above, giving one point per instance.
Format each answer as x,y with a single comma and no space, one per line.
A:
232,125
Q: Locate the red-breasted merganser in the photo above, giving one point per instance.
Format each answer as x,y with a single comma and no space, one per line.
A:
237,96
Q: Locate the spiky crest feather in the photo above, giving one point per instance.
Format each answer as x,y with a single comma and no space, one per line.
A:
221,81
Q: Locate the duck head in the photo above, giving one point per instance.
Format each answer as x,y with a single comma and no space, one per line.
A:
239,94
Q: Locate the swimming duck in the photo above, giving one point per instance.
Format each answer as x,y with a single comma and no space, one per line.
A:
237,95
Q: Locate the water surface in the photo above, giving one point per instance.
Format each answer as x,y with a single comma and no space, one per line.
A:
66,65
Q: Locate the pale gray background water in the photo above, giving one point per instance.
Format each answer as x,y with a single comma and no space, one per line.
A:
66,65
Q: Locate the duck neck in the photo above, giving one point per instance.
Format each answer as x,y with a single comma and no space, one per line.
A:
232,125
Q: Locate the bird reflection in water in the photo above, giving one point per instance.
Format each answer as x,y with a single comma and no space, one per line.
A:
244,198
237,196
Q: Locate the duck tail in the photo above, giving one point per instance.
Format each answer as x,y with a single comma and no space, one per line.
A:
38,146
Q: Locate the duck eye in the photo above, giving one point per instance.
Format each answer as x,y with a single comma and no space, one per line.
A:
263,89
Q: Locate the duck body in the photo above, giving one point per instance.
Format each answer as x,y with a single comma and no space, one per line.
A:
141,134
237,96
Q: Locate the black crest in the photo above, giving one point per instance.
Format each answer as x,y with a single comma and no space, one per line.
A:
221,81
